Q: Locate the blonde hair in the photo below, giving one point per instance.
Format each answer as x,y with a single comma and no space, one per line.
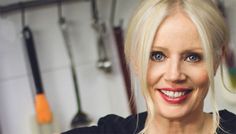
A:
141,33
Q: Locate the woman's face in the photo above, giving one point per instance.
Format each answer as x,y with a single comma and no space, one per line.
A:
177,76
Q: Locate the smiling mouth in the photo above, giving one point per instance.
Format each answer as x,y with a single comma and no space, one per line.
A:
175,94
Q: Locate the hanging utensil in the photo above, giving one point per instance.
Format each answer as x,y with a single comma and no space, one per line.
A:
103,62
44,116
80,118
119,39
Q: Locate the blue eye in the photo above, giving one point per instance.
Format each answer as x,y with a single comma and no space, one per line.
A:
193,57
157,56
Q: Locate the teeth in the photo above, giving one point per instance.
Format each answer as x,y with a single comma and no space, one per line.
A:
173,94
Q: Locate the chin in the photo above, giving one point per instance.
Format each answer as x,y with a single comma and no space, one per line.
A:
173,114
174,111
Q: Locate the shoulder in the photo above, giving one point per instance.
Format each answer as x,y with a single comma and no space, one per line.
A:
227,121
114,124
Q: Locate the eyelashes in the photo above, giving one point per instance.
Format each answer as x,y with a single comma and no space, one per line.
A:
157,56
192,57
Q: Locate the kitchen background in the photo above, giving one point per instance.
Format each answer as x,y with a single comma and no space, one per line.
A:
101,92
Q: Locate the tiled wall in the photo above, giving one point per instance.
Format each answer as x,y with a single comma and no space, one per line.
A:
101,93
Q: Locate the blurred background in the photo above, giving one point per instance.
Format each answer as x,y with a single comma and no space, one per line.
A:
102,90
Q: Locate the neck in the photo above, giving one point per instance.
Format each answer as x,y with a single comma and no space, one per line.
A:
197,122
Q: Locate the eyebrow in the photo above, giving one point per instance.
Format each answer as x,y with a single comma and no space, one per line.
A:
187,50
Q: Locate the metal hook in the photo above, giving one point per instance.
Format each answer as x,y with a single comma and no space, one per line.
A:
1,13
59,7
113,12
60,16
22,14
95,13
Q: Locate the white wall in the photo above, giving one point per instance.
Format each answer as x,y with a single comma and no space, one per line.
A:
225,99
101,93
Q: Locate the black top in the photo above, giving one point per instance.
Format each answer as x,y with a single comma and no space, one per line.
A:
113,124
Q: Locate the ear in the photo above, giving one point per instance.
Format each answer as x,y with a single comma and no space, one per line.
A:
221,58
224,52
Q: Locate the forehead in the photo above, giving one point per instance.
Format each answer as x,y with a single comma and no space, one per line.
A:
177,30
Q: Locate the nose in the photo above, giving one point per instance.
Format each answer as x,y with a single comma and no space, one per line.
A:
174,72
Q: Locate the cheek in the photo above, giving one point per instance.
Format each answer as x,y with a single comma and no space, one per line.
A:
154,74
200,78
150,76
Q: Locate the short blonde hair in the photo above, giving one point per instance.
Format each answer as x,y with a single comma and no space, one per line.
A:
142,29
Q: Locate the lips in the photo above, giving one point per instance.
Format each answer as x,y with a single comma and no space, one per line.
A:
174,95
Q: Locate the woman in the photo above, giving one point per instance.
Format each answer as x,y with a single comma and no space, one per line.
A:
173,49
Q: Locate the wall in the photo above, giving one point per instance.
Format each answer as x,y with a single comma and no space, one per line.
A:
101,93
225,99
